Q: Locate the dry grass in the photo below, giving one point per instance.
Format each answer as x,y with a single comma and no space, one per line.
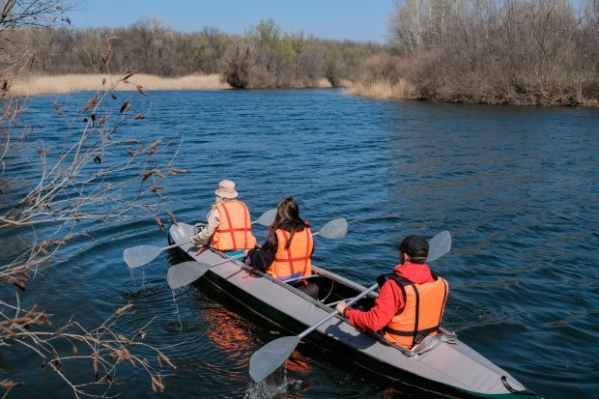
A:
402,90
36,85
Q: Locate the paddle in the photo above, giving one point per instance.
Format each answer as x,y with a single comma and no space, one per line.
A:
186,273
178,275
334,229
143,254
271,356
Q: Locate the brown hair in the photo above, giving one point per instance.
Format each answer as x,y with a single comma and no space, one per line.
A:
287,218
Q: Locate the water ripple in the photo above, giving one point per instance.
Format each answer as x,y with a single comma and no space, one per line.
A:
516,188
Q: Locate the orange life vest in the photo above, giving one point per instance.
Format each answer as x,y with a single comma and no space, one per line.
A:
235,228
294,261
422,314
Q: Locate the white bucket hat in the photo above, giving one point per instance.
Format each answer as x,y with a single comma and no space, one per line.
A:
226,189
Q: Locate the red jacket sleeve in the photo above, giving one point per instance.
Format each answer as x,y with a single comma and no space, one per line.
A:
388,303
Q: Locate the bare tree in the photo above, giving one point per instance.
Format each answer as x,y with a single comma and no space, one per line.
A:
20,14
68,193
591,42
490,51
73,191
33,13
238,62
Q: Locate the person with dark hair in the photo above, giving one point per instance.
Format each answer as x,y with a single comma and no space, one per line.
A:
286,251
229,226
411,299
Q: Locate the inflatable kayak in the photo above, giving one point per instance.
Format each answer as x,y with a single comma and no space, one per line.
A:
441,364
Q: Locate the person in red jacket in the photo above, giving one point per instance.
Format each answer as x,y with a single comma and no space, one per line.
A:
411,300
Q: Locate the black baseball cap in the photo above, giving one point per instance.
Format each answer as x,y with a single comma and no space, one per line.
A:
415,246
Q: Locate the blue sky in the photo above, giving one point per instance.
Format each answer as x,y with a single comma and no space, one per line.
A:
358,20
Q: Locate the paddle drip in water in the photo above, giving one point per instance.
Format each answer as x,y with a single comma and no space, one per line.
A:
276,385
177,314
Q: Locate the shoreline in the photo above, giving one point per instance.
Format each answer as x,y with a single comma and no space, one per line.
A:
35,85
70,83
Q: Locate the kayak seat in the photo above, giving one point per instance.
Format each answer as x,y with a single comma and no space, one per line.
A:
234,253
311,290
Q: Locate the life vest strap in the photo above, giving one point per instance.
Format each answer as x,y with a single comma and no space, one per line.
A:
291,259
424,332
233,230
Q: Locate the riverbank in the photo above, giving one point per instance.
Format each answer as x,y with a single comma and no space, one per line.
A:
38,85
382,89
71,83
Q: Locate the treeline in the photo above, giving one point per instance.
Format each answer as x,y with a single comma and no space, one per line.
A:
532,52
264,57
516,52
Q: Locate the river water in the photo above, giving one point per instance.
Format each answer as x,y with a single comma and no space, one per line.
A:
518,189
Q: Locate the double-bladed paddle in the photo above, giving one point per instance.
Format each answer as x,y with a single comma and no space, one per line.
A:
143,254
272,355
186,273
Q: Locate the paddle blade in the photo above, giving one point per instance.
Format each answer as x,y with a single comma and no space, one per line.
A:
271,356
140,255
267,217
334,229
439,245
185,273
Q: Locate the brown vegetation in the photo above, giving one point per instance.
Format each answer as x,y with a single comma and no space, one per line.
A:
264,58
516,52
382,77
34,85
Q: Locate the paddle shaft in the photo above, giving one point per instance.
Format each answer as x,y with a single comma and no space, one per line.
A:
333,314
186,273
226,260
172,246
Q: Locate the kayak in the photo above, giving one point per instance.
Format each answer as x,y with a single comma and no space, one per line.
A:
441,364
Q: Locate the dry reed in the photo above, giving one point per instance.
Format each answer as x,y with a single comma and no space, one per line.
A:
383,89
36,85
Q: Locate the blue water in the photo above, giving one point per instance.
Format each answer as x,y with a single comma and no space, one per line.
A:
516,187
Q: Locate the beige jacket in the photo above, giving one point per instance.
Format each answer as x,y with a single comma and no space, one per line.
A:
203,237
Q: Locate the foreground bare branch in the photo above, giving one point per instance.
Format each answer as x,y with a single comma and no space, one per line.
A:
93,176
103,349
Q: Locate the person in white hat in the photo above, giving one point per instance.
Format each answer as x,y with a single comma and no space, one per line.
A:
229,226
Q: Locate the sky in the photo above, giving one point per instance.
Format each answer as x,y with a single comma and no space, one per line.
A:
357,20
